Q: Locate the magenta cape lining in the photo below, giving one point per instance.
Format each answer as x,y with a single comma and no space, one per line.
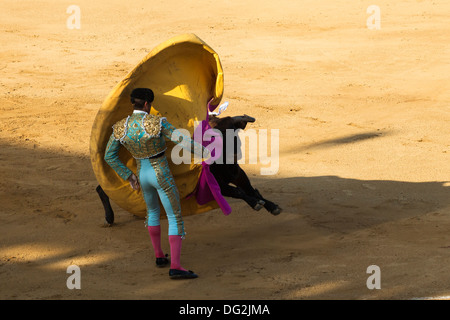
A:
207,188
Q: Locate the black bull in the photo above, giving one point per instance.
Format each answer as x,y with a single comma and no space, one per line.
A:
225,173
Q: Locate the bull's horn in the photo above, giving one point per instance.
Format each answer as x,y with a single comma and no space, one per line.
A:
244,118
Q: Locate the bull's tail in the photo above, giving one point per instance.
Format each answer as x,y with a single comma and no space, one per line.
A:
109,213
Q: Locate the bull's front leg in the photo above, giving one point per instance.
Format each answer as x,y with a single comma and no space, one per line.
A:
109,213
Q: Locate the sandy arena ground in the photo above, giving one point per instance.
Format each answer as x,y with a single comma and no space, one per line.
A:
364,150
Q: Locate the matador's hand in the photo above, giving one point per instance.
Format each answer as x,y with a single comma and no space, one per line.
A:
134,182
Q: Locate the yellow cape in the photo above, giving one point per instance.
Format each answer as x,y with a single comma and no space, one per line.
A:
184,73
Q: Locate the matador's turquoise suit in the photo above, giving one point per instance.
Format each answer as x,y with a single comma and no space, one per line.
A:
143,136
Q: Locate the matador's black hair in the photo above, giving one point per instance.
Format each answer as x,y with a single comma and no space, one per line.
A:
143,94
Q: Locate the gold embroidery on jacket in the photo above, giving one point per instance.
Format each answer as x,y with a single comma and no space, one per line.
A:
119,129
141,135
152,125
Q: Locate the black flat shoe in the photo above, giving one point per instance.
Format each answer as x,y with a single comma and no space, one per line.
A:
180,274
162,262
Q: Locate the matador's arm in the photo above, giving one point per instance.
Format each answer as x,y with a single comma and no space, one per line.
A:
112,158
167,129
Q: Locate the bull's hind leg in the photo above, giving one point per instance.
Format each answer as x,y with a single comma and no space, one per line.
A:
237,192
109,213
243,182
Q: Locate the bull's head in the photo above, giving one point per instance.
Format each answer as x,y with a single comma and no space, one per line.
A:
233,123
237,122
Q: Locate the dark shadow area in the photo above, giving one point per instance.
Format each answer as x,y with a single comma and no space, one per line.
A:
336,142
52,216
348,204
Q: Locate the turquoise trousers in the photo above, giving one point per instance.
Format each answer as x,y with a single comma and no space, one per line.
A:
156,181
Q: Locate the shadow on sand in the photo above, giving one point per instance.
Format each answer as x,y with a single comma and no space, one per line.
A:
52,217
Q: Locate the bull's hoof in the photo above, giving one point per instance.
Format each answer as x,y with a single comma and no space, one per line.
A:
273,208
259,205
276,211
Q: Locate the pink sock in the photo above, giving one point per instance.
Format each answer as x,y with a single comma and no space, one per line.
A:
175,252
155,236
